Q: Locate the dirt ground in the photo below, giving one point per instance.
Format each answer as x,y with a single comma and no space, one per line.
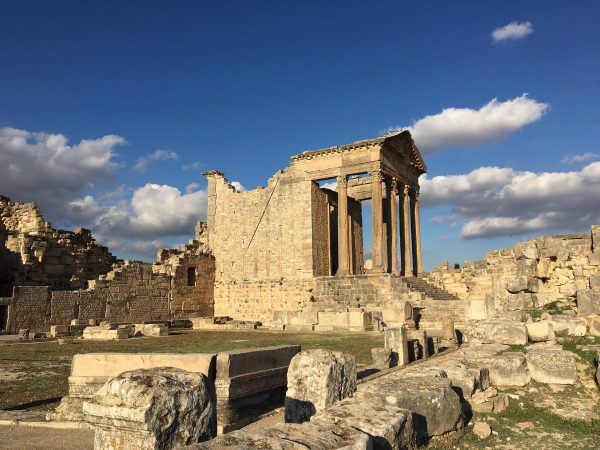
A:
13,437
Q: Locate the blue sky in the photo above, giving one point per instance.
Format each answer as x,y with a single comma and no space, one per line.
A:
89,88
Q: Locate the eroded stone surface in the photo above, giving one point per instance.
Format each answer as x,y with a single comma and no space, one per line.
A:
317,379
152,409
552,366
498,331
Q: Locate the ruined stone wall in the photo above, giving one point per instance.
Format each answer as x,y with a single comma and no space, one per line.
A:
262,234
258,300
192,278
35,254
531,274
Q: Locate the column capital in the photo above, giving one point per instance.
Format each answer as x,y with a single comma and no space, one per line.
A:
406,189
415,194
342,180
394,183
376,175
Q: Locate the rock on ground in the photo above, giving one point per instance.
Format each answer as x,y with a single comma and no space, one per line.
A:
152,409
382,357
436,407
391,427
505,369
552,366
316,379
564,325
291,436
541,331
498,331
482,430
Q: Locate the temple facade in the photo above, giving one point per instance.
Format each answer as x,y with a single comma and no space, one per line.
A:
299,242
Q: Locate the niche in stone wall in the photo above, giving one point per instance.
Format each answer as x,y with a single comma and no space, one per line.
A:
191,276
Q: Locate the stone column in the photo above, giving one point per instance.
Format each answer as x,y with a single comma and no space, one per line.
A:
342,191
405,234
394,224
416,233
377,220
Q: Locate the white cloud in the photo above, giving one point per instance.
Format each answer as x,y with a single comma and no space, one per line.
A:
197,165
44,168
492,201
574,159
464,127
512,31
158,155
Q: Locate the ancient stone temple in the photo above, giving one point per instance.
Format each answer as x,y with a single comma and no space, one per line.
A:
298,243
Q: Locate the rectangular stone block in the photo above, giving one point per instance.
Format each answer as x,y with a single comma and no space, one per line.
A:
245,372
59,330
588,301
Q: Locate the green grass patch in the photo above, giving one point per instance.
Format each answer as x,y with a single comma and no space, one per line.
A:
40,370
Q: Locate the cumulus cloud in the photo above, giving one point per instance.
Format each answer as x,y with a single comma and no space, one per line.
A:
464,127
45,168
153,211
197,165
493,201
574,159
158,155
512,31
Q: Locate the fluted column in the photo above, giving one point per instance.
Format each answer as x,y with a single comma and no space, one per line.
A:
377,220
394,224
342,193
405,234
416,233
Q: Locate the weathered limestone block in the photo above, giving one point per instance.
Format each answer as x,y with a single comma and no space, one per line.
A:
463,380
596,238
291,436
593,324
569,325
396,340
498,331
59,330
540,331
520,301
435,405
552,366
505,369
151,329
391,427
482,430
152,409
382,358
448,331
316,379
420,348
588,301
102,333
526,250
90,371
595,281
243,376
477,309
489,401
517,284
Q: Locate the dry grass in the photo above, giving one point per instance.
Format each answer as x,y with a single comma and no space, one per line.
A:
33,374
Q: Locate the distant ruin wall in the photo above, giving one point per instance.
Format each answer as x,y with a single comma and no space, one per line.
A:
132,293
35,254
531,274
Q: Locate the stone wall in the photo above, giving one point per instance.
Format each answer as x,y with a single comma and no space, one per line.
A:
192,277
260,234
531,274
321,223
35,254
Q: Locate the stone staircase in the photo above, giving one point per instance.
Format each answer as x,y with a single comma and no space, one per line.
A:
436,303
432,292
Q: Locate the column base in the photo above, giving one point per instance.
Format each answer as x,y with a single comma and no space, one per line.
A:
377,269
342,273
